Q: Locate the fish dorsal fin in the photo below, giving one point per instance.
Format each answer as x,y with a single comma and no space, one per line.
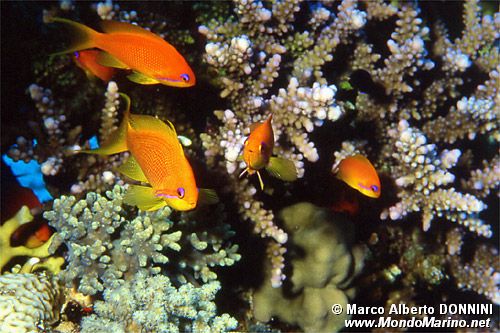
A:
153,124
143,197
106,59
109,26
254,126
282,168
132,170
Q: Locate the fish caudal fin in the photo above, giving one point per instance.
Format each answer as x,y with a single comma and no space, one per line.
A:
282,168
207,197
143,197
83,36
132,170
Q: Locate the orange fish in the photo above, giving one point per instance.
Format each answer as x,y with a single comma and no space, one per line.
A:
157,158
87,60
128,46
357,172
41,235
257,152
344,205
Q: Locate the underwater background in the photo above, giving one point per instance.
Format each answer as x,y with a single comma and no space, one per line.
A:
407,88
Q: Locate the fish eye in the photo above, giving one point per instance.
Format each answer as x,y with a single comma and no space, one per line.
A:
77,54
374,188
181,192
185,77
262,146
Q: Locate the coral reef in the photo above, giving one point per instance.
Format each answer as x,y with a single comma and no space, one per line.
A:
98,259
406,84
421,175
153,304
324,265
29,302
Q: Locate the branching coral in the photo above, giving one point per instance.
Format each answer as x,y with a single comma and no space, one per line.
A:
153,304
482,274
105,248
247,56
421,175
96,259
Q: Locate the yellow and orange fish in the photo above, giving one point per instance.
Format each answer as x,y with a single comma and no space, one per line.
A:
40,236
87,60
357,172
128,46
157,158
257,154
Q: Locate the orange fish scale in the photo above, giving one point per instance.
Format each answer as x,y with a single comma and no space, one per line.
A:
138,52
159,157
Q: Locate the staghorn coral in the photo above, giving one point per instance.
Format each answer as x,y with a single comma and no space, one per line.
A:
9,252
247,56
29,302
57,140
95,259
153,304
106,248
482,274
421,175
321,276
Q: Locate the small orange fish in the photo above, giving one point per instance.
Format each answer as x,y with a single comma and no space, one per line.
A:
87,60
344,205
128,46
357,172
157,158
257,152
41,235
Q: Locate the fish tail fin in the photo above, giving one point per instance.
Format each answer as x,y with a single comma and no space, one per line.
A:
83,36
282,168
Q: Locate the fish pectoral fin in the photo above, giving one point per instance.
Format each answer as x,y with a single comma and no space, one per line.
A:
282,168
106,59
143,197
132,170
260,180
141,78
207,197
184,140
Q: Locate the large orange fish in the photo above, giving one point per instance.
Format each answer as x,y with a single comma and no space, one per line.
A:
357,172
157,158
128,46
257,154
87,60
